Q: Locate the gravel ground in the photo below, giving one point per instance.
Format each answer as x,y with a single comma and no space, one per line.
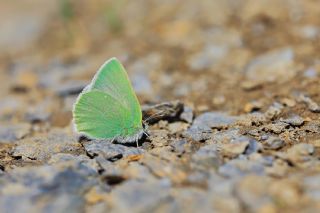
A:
237,82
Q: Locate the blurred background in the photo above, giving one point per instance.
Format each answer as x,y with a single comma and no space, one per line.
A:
211,54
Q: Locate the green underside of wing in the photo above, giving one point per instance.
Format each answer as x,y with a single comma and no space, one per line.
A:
113,80
99,115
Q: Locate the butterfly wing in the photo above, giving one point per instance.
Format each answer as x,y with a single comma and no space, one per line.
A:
113,80
99,115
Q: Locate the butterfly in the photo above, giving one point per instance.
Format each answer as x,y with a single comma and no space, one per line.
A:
108,107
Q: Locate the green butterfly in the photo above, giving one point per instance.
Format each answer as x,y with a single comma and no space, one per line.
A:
108,108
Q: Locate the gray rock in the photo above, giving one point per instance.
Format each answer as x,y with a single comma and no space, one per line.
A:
61,186
42,148
294,120
273,143
274,110
80,162
233,137
187,114
272,66
241,167
198,134
253,147
136,196
217,120
11,133
276,127
108,150
312,106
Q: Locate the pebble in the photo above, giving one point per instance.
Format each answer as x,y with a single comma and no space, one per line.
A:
42,148
108,150
234,148
273,143
294,120
198,134
312,106
217,120
61,185
241,167
277,127
274,110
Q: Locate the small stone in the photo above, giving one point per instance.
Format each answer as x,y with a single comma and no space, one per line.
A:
42,148
241,167
198,134
233,149
13,132
109,150
253,147
187,114
273,143
274,110
81,162
277,127
294,121
312,106
217,120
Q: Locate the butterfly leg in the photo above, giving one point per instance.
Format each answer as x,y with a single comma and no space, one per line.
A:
137,138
